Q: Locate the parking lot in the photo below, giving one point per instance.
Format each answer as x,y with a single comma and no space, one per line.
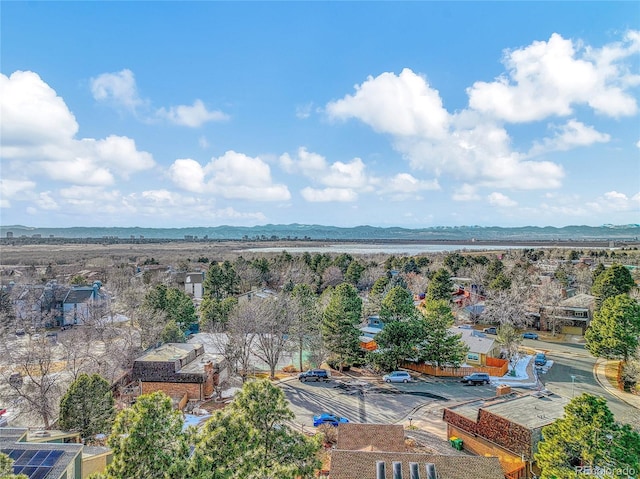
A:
369,400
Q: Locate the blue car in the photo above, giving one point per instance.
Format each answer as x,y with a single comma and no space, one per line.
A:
530,335
326,418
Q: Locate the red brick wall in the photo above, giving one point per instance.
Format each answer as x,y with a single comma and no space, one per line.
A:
175,389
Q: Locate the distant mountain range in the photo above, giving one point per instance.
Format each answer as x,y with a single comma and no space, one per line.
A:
319,232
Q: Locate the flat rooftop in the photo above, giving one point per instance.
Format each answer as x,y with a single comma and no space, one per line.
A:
169,352
532,411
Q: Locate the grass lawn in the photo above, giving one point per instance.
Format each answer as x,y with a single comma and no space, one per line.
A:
611,372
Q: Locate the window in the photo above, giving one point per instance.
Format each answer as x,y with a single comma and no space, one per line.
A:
580,314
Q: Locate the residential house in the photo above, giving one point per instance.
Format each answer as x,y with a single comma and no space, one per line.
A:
407,465
369,331
371,437
259,294
508,427
83,304
571,315
193,284
178,369
45,459
481,346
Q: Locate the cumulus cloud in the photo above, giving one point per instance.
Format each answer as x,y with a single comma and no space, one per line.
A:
192,116
466,192
344,181
570,135
118,88
500,200
38,136
304,111
547,78
11,188
325,195
614,201
401,105
233,175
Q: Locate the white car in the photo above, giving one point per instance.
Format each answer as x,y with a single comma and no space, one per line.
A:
397,377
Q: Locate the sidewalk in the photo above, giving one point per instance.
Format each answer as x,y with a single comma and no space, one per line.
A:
599,373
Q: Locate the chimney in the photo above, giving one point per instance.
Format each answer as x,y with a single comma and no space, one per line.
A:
397,470
380,470
414,471
431,470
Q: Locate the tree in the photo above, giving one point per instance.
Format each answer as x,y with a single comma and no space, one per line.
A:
241,332
440,346
396,342
397,305
339,323
221,281
353,272
510,339
215,311
588,437
440,285
612,281
272,330
500,282
614,332
147,440
6,468
250,439
172,333
306,323
88,406
278,452
40,389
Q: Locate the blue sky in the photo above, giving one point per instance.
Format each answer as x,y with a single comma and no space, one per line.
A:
415,114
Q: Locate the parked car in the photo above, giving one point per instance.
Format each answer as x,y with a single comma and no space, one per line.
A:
397,377
541,359
326,418
477,378
314,375
530,335
35,337
491,330
20,332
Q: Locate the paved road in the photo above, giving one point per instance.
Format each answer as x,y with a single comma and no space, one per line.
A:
372,401
573,360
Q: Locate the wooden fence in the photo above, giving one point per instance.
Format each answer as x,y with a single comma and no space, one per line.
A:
445,371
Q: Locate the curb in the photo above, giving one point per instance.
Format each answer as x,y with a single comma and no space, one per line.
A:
599,374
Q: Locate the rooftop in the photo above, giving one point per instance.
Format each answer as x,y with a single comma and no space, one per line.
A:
532,411
362,465
581,300
371,437
477,342
170,352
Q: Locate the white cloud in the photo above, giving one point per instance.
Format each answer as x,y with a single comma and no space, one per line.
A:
38,137
233,175
192,116
203,142
46,202
326,195
614,201
11,188
32,113
401,105
466,192
548,78
570,135
404,186
118,88
638,144
467,146
500,200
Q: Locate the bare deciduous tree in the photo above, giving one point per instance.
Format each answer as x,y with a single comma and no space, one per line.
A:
272,330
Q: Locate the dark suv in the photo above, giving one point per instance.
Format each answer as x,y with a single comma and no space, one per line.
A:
477,378
314,375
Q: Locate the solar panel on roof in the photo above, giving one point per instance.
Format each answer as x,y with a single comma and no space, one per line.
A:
24,459
13,453
29,471
52,458
40,473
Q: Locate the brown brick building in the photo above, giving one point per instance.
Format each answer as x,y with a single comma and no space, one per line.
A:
178,369
508,428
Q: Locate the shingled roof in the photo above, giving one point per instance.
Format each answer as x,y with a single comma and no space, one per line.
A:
362,465
371,437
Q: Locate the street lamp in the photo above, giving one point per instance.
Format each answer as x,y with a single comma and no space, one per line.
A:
410,419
